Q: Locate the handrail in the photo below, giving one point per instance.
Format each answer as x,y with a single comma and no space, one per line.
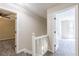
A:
40,37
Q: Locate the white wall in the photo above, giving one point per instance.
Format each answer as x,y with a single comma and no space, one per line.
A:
26,24
67,32
67,18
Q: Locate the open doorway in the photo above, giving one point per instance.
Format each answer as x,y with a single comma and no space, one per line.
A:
7,33
65,32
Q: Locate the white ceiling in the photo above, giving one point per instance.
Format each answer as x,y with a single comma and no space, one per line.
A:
39,8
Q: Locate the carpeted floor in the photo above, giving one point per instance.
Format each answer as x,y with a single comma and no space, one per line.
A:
7,48
66,48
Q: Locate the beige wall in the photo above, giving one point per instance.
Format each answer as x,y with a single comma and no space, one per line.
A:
7,29
28,24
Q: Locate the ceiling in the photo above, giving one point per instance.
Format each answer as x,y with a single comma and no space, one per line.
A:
39,8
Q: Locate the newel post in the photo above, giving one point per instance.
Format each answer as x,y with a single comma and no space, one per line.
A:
33,44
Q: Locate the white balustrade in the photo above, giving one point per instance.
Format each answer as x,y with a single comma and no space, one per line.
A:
39,44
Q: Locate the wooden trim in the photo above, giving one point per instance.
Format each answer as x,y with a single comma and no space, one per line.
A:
7,38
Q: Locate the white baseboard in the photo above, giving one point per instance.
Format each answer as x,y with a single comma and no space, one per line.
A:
45,52
19,51
25,51
28,51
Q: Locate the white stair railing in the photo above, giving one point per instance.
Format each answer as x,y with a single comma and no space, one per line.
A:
39,44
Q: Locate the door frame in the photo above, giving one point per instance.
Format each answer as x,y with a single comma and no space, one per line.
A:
16,43
64,11
76,26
